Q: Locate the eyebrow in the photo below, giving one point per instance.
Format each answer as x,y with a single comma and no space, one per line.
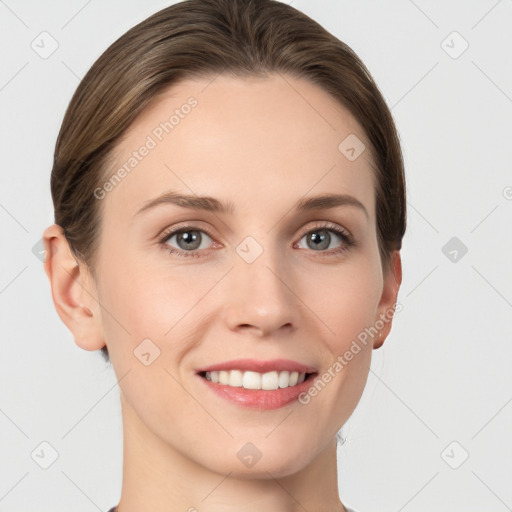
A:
211,204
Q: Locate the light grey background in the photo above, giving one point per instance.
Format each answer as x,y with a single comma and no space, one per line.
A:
444,374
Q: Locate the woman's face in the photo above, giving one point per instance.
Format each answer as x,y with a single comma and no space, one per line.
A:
252,276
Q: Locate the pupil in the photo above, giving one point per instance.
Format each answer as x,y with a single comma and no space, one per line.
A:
189,237
320,240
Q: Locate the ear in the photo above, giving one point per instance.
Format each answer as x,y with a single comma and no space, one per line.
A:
73,290
387,304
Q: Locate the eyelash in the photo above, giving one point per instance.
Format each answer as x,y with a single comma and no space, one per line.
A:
342,233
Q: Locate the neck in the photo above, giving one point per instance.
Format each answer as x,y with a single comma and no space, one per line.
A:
159,477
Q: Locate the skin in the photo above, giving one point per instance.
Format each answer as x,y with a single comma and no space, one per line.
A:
262,143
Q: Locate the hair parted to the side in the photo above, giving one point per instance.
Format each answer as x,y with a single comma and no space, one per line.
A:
202,38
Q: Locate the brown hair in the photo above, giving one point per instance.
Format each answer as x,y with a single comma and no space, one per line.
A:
200,38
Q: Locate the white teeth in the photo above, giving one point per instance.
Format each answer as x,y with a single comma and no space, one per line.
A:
253,380
235,378
270,381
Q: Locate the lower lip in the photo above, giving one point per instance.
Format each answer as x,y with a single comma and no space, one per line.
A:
261,399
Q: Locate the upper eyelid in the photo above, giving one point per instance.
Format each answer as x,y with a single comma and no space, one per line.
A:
167,233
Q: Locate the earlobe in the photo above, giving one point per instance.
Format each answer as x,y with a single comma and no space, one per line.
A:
73,290
387,304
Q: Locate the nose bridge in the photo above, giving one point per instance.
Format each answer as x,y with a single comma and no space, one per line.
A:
259,294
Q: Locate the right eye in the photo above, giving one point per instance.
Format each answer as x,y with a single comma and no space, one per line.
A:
189,239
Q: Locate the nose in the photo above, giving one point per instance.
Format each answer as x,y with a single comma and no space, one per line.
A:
259,297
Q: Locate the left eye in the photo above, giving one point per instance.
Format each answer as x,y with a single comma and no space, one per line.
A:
320,239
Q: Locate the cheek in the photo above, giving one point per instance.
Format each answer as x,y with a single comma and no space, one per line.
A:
344,299
148,331
346,304
146,300
349,314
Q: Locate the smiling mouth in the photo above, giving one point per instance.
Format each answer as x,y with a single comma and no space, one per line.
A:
268,381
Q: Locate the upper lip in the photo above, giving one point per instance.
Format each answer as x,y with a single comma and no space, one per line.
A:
254,365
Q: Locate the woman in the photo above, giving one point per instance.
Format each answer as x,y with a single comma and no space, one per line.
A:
229,204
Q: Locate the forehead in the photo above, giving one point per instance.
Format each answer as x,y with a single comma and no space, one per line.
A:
259,140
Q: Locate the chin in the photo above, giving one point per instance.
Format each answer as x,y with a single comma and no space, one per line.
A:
260,458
